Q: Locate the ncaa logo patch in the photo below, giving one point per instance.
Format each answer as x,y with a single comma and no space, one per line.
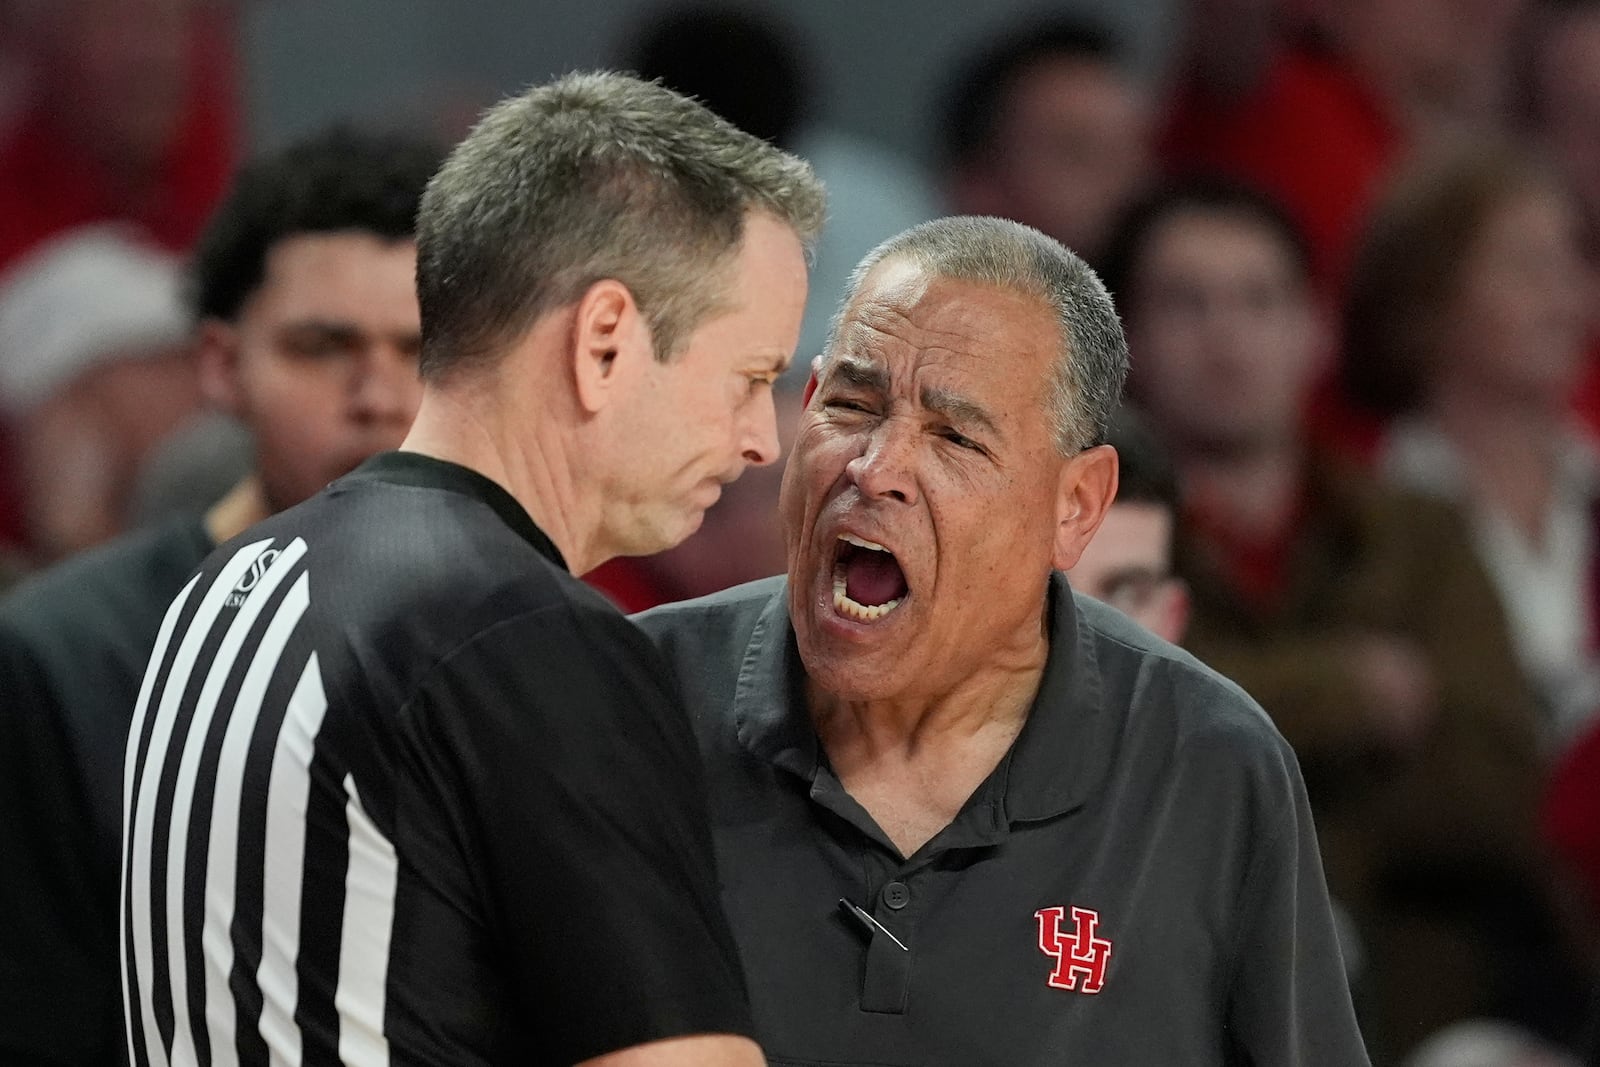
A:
1080,955
251,578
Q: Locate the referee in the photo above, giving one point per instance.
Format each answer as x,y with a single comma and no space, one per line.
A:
400,788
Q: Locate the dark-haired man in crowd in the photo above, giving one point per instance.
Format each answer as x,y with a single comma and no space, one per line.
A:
307,333
1048,126
1129,562
963,815
437,800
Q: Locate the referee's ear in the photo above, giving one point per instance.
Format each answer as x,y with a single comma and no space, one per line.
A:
217,363
610,342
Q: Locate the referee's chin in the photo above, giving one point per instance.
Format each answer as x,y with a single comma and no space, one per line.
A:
650,534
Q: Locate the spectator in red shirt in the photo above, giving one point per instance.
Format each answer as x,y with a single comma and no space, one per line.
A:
1315,107
1255,103
110,111
129,115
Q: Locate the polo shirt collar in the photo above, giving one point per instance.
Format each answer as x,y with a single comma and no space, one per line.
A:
1059,760
769,701
416,469
1064,752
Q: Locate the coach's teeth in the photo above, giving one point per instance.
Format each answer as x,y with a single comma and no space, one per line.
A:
860,612
861,542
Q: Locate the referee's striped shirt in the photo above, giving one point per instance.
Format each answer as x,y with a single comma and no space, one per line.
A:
399,789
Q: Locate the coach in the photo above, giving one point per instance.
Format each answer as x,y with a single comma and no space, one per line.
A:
964,816
399,786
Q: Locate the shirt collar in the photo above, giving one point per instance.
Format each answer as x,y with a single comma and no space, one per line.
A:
1058,761
769,703
416,469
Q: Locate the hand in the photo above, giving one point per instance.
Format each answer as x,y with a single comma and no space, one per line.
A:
1400,693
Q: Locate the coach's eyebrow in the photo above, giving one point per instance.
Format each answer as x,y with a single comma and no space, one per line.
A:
859,373
959,410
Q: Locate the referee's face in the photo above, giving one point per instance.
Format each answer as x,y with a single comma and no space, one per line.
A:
321,363
697,420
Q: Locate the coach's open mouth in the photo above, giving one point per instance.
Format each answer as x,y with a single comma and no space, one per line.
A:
867,580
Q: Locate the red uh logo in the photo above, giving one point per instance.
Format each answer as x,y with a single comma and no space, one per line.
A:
1080,956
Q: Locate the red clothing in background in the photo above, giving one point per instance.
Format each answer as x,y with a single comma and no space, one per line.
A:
1586,398
627,584
1308,135
47,185
1571,814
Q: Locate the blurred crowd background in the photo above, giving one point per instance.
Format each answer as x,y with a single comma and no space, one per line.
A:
1356,245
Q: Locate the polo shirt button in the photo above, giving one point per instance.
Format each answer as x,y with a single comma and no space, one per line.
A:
896,895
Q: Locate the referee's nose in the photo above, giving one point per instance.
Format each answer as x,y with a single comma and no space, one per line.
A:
760,444
386,389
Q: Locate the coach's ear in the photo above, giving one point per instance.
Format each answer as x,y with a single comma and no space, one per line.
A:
217,363
811,381
611,343
1085,489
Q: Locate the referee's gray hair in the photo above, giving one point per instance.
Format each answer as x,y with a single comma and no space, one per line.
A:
594,176
1089,371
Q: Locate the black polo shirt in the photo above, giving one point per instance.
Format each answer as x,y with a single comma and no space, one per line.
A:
401,789
73,645
1137,882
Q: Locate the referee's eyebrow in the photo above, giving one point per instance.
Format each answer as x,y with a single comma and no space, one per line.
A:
333,329
781,362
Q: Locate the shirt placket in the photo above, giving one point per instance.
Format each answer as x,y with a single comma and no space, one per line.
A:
896,899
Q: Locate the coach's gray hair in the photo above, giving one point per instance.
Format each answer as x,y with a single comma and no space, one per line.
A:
590,177
1088,374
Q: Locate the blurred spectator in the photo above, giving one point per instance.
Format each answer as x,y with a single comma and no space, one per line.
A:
1562,86
1314,103
129,114
1357,615
1048,126
95,371
1129,563
1439,68
1485,1043
1563,99
1253,101
1467,319
110,110
750,69
308,332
